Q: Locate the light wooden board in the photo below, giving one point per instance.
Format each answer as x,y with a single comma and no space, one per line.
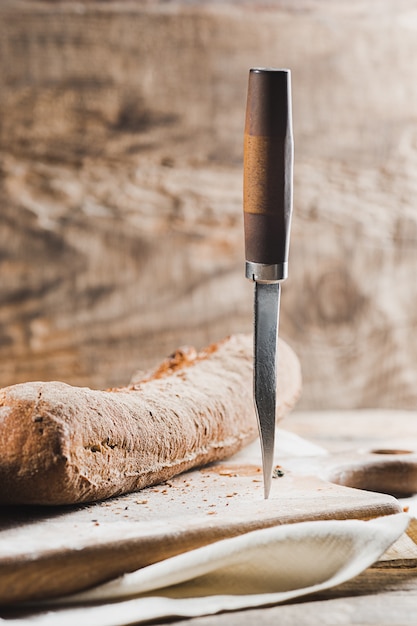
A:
47,552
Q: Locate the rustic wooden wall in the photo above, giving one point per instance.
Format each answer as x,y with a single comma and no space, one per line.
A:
121,129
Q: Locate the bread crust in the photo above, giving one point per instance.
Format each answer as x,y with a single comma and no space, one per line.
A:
61,444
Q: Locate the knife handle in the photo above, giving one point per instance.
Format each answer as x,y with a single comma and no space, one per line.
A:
267,174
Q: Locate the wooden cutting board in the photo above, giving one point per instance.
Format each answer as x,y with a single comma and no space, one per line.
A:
45,552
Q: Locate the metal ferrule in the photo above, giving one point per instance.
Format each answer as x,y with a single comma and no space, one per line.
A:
262,273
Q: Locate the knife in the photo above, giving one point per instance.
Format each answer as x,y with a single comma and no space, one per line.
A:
267,205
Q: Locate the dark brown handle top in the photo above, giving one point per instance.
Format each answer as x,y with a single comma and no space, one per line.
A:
268,165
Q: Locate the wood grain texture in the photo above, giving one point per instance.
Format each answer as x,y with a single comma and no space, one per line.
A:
384,594
71,548
121,229
48,552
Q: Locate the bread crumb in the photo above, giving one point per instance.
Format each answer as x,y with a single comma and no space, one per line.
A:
278,472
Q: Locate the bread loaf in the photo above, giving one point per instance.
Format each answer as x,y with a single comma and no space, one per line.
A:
61,444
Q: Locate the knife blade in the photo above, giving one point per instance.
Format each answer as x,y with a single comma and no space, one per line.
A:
267,206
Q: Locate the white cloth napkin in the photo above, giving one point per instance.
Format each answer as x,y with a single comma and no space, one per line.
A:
264,567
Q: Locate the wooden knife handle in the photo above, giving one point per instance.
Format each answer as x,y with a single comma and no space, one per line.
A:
268,168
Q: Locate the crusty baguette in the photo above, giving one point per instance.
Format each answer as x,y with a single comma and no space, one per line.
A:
64,445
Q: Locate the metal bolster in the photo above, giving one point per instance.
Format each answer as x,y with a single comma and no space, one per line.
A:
263,273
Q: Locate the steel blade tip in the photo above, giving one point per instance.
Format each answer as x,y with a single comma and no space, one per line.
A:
267,485
267,463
